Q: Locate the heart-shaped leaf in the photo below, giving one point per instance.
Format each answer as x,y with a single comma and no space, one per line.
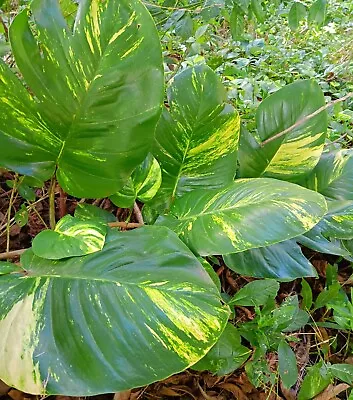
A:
197,140
89,119
247,214
284,261
296,153
296,14
138,311
143,184
72,237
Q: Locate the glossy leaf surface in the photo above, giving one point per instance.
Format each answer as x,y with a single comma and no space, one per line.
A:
107,322
197,140
249,213
284,261
333,176
296,153
72,237
91,123
143,184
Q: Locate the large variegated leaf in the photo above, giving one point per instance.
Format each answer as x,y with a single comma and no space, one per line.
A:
333,176
91,118
315,240
197,140
295,153
284,261
247,214
136,312
143,184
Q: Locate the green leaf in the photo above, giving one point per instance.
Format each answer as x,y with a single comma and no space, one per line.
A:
307,295
72,237
343,372
296,153
21,216
88,117
258,10
227,355
249,213
88,211
197,140
282,261
296,14
316,380
143,184
211,272
85,326
315,240
317,12
333,176
327,295
256,293
338,222
287,365
7,268
289,317
236,23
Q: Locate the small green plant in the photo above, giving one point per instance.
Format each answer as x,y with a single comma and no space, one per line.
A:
91,309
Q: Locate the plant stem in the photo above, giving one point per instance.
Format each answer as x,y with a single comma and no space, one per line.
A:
125,225
16,253
52,203
12,254
305,119
8,225
138,214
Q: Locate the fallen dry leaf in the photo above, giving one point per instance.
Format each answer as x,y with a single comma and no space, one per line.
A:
331,392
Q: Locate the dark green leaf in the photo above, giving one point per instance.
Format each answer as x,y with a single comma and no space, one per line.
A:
343,372
287,365
296,153
307,295
282,261
327,295
227,355
88,117
136,312
250,213
255,293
